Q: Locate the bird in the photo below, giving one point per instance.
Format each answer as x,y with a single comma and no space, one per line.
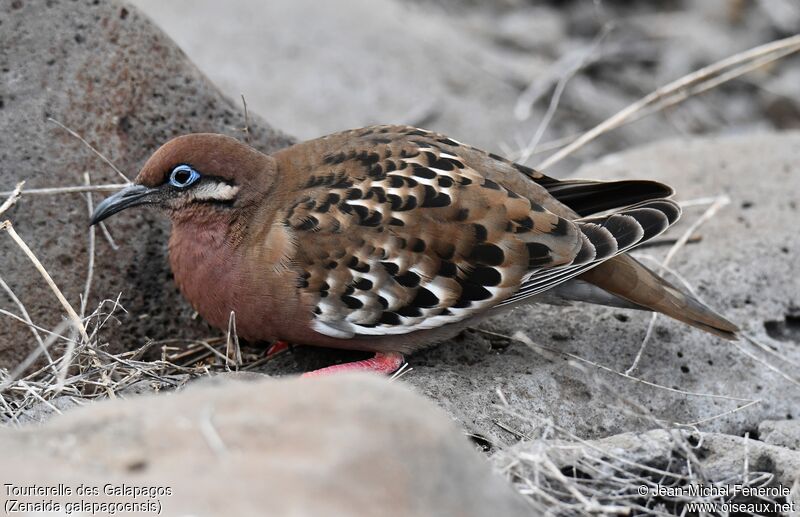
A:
388,239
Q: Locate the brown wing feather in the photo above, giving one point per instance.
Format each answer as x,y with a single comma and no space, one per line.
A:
395,232
400,229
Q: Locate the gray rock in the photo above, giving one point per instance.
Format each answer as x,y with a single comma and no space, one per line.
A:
104,70
313,68
784,433
350,445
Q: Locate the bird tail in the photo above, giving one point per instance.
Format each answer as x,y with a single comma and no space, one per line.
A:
625,277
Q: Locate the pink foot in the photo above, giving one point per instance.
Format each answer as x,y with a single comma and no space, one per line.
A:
382,363
276,348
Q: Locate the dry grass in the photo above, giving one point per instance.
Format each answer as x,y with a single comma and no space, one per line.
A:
677,91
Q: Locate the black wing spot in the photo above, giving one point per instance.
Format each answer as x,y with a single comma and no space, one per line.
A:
354,193
379,194
487,276
374,219
410,204
481,234
462,215
357,265
444,164
344,182
395,181
396,201
474,292
487,183
445,181
425,298
423,172
410,311
538,254
447,268
363,283
389,318
488,254
408,279
352,302
391,268
435,199
524,169
361,211
418,246
561,228
368,158
524,225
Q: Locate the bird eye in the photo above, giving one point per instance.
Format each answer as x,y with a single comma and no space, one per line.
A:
182,176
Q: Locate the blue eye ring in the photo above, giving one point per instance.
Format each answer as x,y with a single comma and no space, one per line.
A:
182,176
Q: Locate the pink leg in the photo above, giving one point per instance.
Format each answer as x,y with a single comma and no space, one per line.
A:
276,348
382,363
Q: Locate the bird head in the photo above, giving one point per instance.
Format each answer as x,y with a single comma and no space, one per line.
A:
195,175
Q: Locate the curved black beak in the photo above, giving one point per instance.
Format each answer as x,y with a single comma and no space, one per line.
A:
125,198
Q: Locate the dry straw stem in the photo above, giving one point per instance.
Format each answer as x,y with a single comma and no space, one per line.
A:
78,189
246,128
76,320
699,81
561,85
233,352
90,260
12,197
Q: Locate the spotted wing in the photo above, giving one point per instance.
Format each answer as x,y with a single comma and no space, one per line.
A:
396,234
603,238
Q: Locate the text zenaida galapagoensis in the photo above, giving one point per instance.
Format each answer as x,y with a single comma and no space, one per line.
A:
391,238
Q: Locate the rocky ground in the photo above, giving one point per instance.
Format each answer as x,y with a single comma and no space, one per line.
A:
485,75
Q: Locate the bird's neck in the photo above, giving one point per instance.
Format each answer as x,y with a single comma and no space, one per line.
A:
202,254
